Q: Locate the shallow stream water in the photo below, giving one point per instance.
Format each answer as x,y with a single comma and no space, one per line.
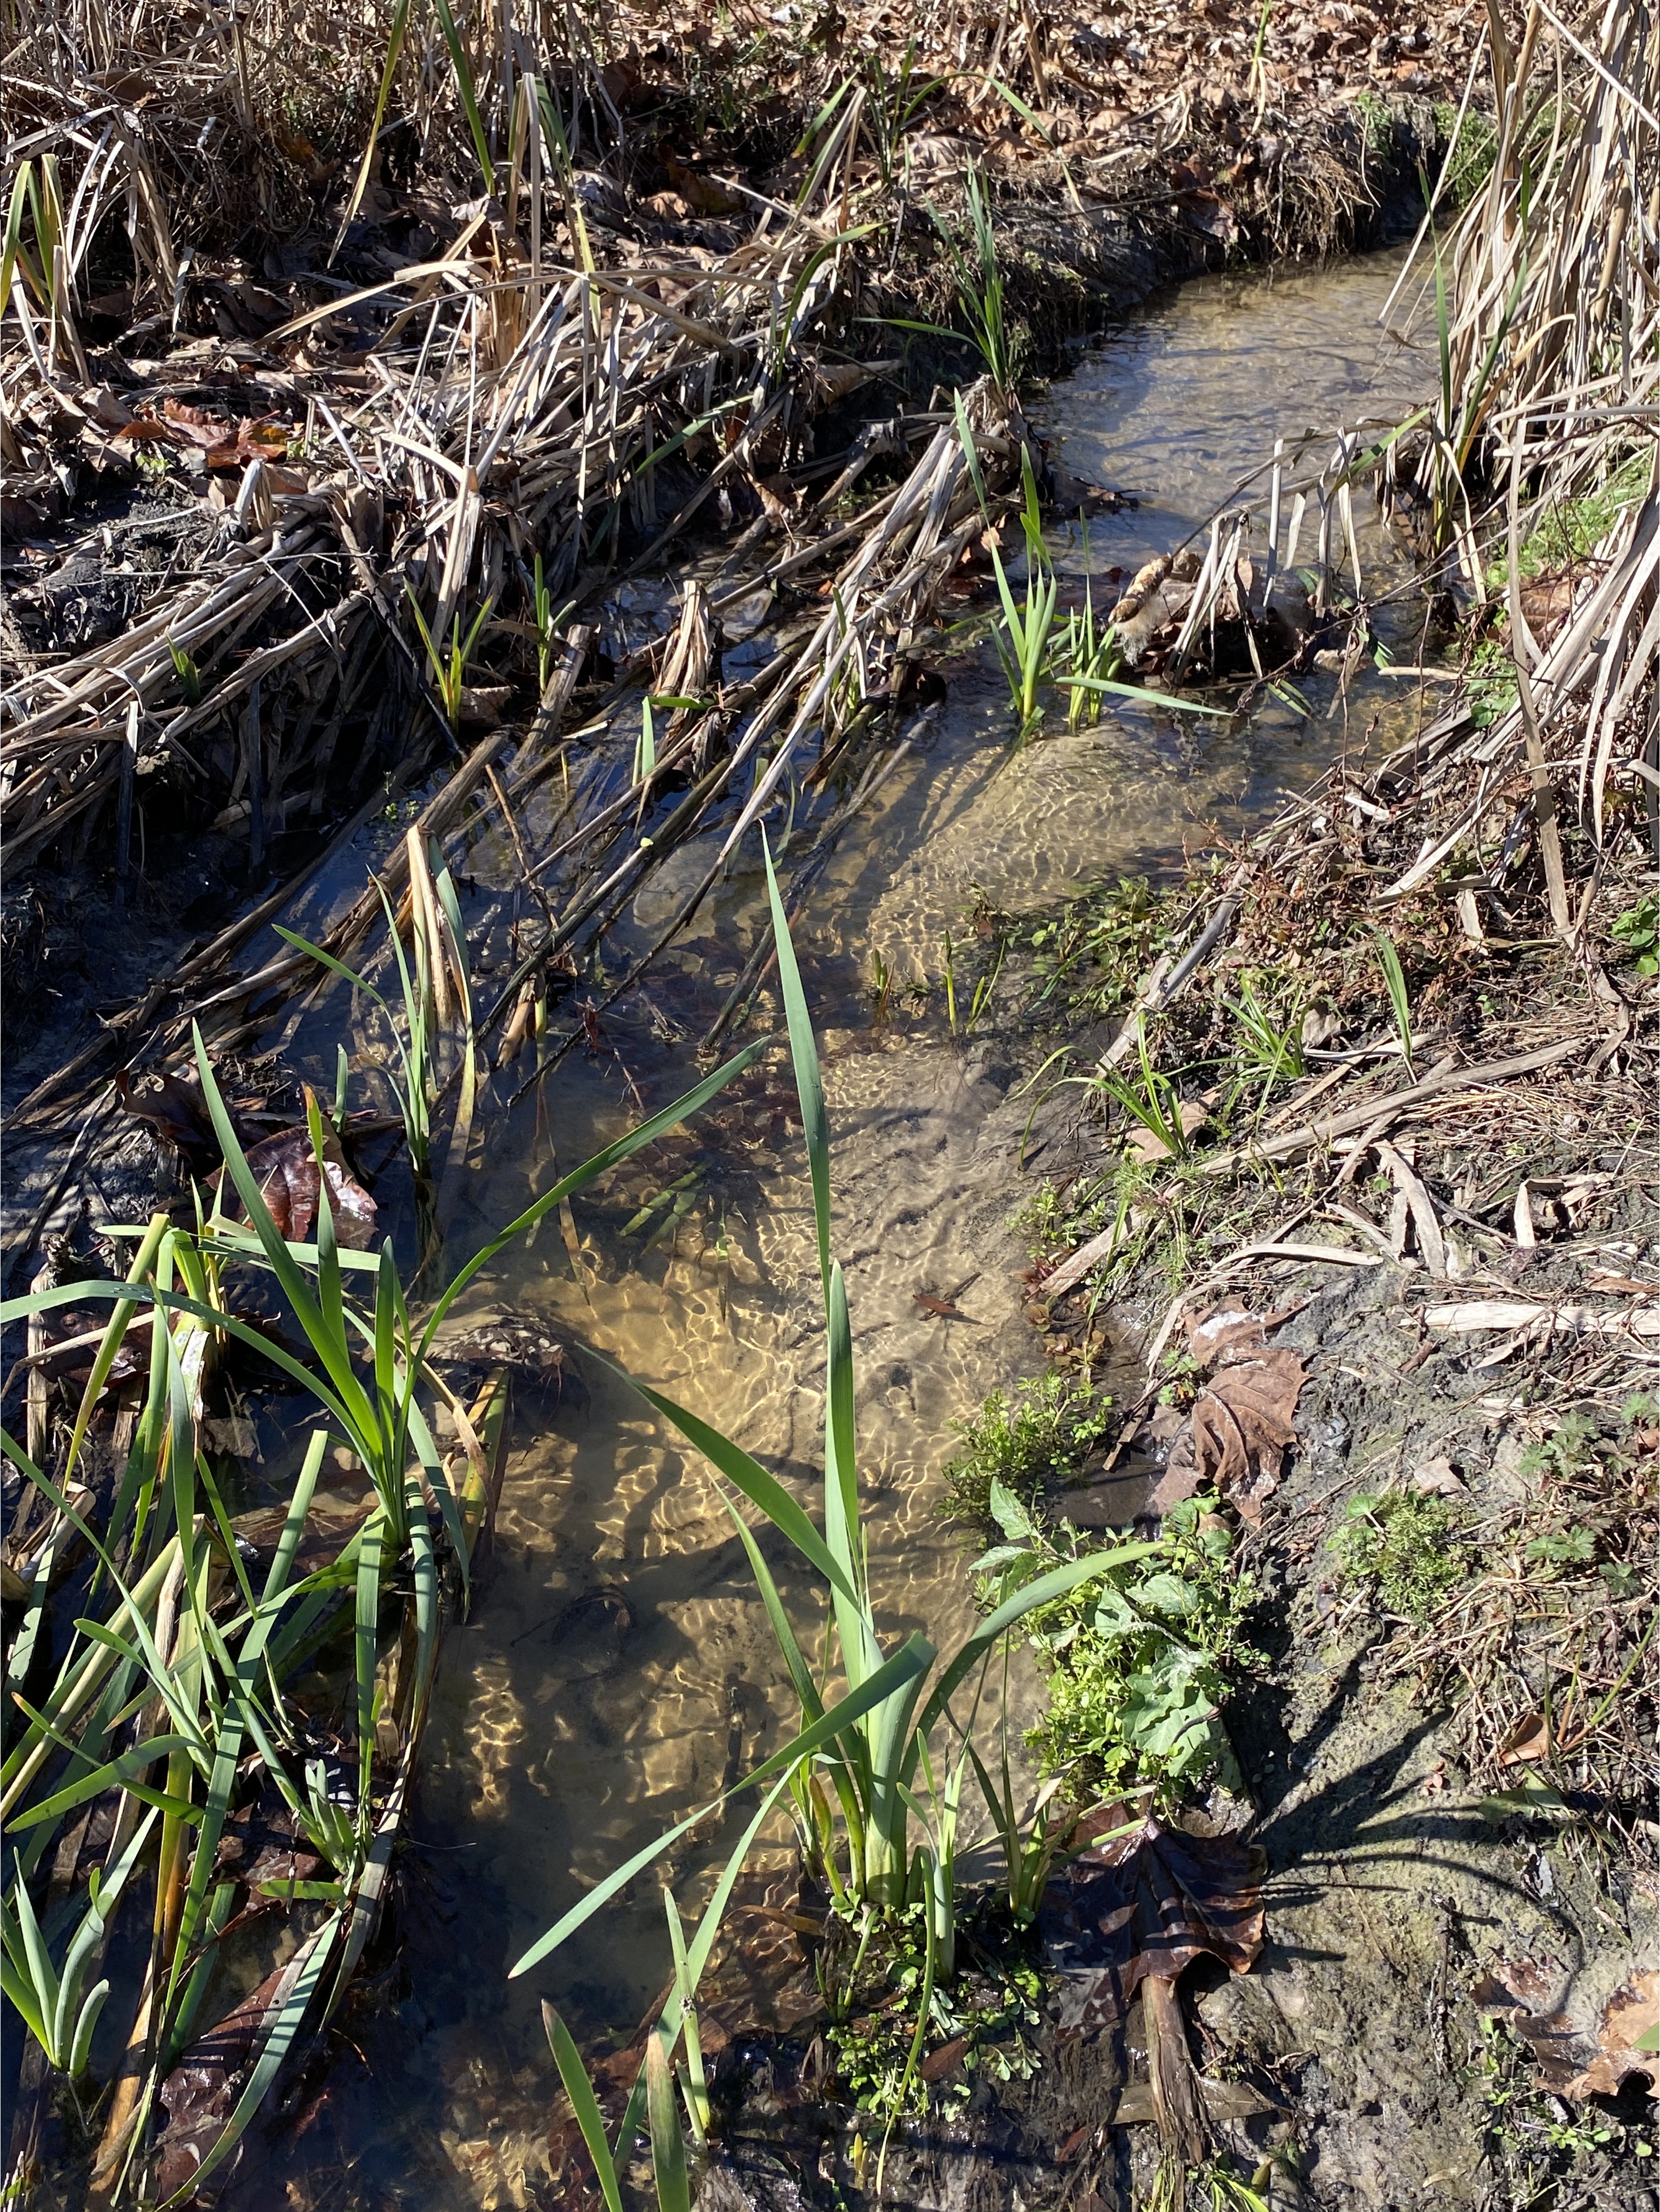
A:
618,1665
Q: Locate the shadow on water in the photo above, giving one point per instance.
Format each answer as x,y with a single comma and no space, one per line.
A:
617,1667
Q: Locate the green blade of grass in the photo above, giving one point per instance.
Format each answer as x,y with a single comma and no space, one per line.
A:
584,2104
804,1053
668,2144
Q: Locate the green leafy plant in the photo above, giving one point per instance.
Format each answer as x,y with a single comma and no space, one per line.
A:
1395,982
189,675
1023,642
1084,655
1638,930
1406,1546
1270,1045
893,99
1140,1661
979,277
365,1361
547,625
1155,1101
1041,1433
55,2006
671,2181
990,2014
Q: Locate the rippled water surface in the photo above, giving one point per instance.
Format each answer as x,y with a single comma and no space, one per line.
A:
618,1666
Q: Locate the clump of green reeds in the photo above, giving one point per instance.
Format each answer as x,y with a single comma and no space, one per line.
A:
169,1698
875,1797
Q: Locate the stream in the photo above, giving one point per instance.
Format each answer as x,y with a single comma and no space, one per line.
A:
618,1666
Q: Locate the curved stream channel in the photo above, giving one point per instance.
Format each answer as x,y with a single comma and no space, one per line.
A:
618,1664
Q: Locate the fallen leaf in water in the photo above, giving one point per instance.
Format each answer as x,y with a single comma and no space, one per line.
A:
174,1108
1147,1903
285,1167
917,687
201,2092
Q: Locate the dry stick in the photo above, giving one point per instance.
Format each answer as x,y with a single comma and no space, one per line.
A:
1316,1133
1522,648
1162,983
552,708
124,815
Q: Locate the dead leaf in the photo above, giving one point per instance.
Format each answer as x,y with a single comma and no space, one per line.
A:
1535,1737
1436,1478
1145,1144
1625,2039
706,194
1242,1424
1578,2055
174,1108
483,705
1146,1904
285,1167
1206,212
946,2060
1237,1433
1410,1189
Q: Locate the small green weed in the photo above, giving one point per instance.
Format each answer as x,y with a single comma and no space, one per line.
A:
993,2006
1542,2152
1090,956
1139,1664
1377,124
1472,145
1490,683
1406,1546
1569,1445
1637,929
1044,1432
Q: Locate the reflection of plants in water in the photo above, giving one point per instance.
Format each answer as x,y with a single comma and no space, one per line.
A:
876,1814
